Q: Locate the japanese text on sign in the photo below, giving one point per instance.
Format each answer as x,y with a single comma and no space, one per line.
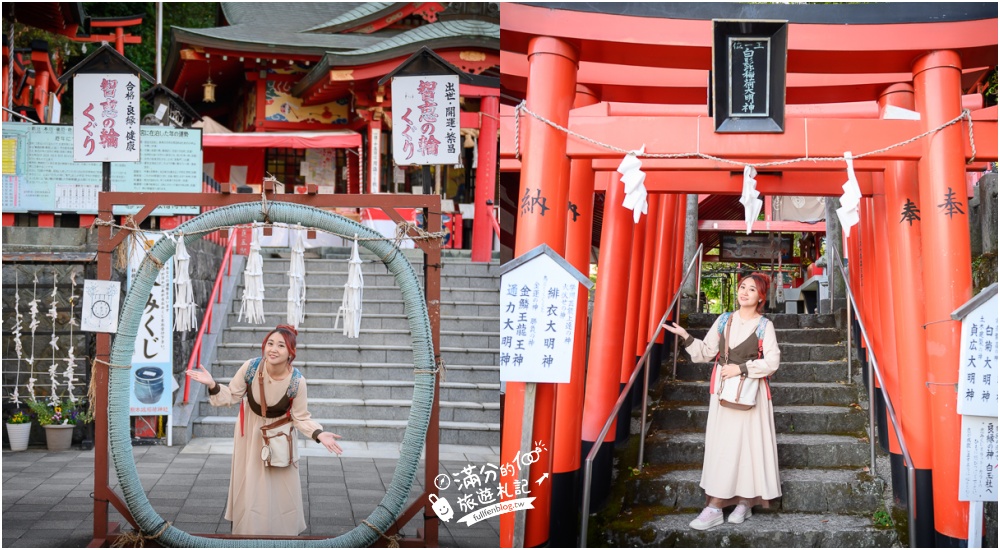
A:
105,118
978,459
748,73
153,356
537,322
428,128
977,381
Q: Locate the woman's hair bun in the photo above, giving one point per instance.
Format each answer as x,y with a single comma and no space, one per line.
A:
289,328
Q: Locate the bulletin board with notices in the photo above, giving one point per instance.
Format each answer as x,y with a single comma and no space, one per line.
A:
39,174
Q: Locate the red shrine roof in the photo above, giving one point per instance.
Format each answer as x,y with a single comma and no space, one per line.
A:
343,47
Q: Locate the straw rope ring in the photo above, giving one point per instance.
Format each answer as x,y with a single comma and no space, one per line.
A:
386,513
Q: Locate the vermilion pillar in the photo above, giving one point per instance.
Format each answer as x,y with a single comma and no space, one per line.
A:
678,263
607,341
887,359
661,278
541,218
870,306
634,283
486,180
947,272
569,397
902,199
648,269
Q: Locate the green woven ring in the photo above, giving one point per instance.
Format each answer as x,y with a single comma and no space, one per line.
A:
386,513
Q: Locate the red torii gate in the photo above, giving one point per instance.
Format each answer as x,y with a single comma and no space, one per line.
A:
558,59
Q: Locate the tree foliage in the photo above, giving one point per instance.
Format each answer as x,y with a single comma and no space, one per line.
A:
66,53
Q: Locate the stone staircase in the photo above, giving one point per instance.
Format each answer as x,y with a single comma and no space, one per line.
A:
828,497
362,388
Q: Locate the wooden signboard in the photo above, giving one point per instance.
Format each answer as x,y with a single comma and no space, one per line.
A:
748,76
734,248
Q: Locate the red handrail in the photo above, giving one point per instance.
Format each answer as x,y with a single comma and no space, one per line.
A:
206,322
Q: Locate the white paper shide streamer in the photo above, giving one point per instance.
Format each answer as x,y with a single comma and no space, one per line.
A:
848,211
353,291
70,374
15,396
253,284
185,314
633,178
297,280
750,199
53,343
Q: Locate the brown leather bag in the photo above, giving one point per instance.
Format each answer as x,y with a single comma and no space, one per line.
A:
278,437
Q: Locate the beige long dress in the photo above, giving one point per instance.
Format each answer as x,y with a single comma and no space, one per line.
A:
741,452
264,501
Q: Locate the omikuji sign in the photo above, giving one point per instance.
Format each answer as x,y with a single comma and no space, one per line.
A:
426,119
538,298
106,117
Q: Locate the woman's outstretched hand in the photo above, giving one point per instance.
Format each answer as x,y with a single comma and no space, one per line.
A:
329,440
675,329
199,374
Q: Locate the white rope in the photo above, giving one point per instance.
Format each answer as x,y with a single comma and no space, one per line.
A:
53,341
33,311
965,115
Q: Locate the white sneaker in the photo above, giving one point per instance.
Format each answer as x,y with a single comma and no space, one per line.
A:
740,514
707,519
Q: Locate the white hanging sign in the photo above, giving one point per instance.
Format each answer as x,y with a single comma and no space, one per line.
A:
978,459
538,298
106,117
426,114
977,371
100,306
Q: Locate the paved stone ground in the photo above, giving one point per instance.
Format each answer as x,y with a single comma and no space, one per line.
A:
47,496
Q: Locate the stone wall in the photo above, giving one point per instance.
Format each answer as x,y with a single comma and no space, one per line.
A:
59,254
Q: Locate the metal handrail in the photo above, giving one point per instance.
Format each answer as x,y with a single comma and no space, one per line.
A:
874,371
641,365
206,321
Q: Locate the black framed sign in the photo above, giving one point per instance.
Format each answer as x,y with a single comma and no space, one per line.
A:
748,76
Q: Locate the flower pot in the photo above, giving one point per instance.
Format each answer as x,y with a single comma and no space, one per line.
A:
59,437
18,435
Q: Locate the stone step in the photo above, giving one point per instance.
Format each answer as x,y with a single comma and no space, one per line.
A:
376,293
780,320
451,433
782,393
787,419
794,450
488,393
798,352
796,335
369,354
369,321
335,370
370,337
776,530
381,409
376,278
332,305
805,371
449,266
802,491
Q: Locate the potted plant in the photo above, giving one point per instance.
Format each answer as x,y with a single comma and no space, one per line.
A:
59,419
18,430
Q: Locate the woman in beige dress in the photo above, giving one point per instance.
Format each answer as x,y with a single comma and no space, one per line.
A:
741,453
265,500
